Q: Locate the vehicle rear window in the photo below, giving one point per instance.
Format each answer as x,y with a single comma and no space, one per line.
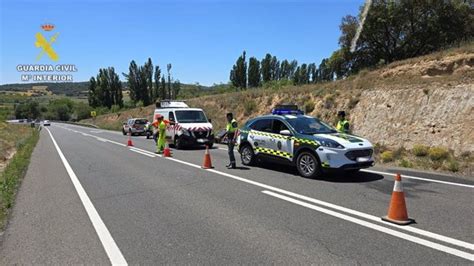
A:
141,121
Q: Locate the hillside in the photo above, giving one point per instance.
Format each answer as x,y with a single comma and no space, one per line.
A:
427,100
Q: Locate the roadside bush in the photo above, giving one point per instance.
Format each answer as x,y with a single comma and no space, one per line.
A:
309,107
115,108
249,107
328,101
82,111
405,163
399,152
420,150
379,148
438,153
452,165
386,156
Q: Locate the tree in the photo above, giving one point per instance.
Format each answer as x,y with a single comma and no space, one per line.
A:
163,88
274,69
267,68
92,95
296,76
133,82
176,88
168,68
29,109
157,94
292,68
285,69
254,72
238,74
324,71
148,69
395,30
312,73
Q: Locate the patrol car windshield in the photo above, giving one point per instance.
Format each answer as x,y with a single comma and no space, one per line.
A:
310,125
191,117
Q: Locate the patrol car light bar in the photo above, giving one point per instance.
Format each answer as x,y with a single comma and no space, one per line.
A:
287,109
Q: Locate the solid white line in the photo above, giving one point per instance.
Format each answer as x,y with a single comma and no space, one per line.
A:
420,178
143,153
336,207
111,248
379,228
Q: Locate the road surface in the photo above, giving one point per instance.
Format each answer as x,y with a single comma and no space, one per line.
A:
88,198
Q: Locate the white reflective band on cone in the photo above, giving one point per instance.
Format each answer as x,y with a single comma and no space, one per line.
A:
398,186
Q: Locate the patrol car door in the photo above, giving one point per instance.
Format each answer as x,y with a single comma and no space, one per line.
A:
283,144
259,134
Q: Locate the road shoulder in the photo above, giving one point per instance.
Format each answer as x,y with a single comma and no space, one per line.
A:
48,224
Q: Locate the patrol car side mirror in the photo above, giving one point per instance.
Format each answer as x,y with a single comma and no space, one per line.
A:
285,132
209,120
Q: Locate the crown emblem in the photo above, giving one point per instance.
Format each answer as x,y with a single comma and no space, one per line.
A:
47,27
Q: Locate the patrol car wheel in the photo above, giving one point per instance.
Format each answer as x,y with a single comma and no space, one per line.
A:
246,155
307,165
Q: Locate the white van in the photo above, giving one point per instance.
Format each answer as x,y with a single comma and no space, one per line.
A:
187,127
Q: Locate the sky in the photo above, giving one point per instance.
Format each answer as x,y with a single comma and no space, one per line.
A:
202,39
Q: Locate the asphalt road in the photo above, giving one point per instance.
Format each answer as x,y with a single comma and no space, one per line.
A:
104,202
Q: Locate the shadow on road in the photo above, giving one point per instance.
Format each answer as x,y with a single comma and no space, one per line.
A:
358,177
336,177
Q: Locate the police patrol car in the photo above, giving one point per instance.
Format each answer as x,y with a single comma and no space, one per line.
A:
288,136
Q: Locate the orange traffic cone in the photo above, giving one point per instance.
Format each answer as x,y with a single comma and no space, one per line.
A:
397,212
167,151
129,143
207,160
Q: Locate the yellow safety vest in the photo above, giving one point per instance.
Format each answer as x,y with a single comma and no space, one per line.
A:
230,126
343,126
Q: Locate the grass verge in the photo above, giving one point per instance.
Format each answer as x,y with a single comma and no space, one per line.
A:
14,172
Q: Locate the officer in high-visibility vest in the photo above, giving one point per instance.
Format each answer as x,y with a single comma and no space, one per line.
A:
160,125
342,124
231,129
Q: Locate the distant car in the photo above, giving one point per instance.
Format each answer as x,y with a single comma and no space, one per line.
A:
135,126
46,123
21,121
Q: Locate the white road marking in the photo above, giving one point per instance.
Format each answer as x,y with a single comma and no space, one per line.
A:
101,139
116,143
111,248
337,207
143,153
420,178
379,228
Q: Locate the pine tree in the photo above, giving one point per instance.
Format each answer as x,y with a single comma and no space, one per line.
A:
157,94
267,68
254,72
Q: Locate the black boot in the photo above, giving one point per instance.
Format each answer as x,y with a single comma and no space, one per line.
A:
231,166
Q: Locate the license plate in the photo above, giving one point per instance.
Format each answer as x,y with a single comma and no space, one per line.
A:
201,140
362,159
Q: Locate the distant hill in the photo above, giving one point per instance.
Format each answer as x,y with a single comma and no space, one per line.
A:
79,89
72,89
